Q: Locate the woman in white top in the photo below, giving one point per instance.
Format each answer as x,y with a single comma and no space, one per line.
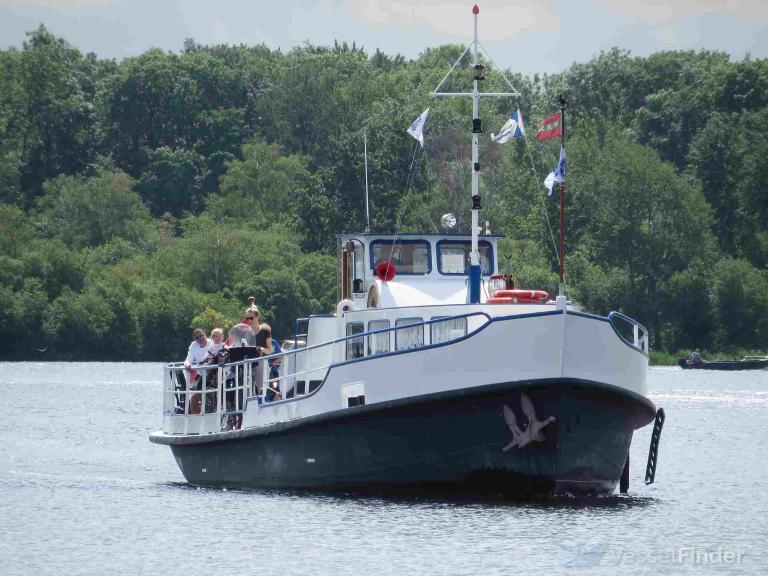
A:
198,349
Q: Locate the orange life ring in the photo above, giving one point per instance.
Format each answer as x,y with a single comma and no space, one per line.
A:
518,297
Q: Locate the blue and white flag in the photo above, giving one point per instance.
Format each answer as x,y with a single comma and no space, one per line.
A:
417,128
514,128
558,174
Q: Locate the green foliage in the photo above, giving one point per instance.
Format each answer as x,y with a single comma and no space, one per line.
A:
141,198
663,358
740,303
91,211
636,216
209,319
172,181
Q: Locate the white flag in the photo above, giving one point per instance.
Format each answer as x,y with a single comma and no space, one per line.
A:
549,181
558,174
514,128
417,128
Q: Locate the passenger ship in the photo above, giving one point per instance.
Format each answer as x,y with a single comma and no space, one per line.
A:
433,373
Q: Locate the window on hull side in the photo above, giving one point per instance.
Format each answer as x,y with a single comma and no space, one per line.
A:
447,329
355,346
378,343
408,336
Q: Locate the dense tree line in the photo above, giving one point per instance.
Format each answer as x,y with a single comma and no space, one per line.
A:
143,197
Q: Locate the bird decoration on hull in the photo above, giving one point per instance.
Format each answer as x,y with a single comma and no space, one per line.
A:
532,432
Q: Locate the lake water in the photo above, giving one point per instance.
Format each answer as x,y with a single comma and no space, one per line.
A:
82,491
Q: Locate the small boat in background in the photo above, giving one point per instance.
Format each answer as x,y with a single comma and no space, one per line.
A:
748,363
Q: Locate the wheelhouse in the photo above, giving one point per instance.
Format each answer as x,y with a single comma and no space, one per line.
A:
426,268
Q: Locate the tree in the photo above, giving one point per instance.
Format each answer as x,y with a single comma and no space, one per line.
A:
56,125
91,211
740,303
728,155
637,215
172,181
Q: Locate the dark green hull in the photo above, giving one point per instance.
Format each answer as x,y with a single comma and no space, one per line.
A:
444,442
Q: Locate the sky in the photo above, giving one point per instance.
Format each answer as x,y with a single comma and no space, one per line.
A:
526,36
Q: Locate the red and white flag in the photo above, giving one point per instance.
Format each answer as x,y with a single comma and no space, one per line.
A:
549,128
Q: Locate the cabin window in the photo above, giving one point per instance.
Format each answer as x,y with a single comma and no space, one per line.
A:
408,336
408,256
378,343
447,329
453,257
355,346
358,268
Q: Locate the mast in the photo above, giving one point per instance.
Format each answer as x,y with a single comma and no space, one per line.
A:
561,287
474,256
365,152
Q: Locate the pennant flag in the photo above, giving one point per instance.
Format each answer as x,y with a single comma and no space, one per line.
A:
417,128
549,128
557,175
514,128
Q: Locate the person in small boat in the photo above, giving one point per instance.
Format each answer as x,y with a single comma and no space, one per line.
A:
695,357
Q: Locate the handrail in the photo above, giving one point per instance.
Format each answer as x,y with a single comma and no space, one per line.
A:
370,332
639,332
237,381
359,336
338,340
248,381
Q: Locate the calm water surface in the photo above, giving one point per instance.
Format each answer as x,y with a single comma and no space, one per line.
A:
82,491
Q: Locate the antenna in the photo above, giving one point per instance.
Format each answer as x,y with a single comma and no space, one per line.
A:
365,152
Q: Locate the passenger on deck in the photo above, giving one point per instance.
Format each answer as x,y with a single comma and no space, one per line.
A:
274,365
695,357
197,351
217,337
273,393
262,332
242,334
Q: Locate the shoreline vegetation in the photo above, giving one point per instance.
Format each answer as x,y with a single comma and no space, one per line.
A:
144,197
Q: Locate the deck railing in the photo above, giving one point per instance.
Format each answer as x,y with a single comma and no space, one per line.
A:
210,398
207,398
631,331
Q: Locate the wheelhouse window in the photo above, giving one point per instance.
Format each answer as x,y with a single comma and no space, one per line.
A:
408,256
378,343
447,329
453,257
355,346
408,336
